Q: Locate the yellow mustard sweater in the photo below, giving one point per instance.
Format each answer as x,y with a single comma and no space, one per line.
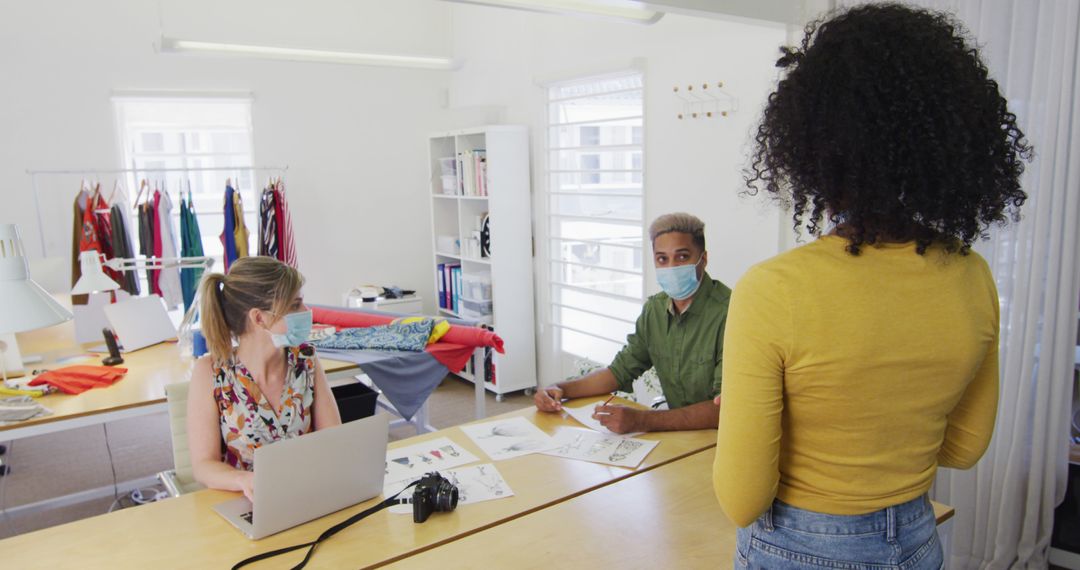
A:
849,379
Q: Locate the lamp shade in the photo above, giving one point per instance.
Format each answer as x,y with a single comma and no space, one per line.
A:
24,305
93,277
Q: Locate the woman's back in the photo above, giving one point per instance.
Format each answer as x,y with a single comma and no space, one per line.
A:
863,358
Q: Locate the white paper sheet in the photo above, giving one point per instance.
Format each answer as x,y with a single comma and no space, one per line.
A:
509,438
588,445
583,415
408,463
476,483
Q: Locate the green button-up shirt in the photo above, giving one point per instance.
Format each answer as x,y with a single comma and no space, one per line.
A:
687,349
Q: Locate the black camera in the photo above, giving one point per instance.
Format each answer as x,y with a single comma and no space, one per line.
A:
433,494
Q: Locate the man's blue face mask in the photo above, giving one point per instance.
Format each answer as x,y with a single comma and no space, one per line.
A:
680,282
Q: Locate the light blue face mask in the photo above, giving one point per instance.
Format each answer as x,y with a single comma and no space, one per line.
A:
298,331
681,281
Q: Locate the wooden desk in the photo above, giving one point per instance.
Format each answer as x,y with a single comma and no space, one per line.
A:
665,518
141,391
186,532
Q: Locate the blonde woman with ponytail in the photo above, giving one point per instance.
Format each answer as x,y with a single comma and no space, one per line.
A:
269,386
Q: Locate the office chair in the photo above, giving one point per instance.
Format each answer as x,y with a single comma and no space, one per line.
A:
180,479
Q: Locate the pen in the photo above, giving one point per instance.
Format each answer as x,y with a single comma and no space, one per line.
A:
604,404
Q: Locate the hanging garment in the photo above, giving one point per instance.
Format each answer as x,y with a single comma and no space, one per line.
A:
286,245
103,226
169,278
155,287
240,226
121,242
228,235
88,237
268,227
190,246
76,239
145,212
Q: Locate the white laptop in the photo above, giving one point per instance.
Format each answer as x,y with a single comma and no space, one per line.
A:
140,322
304,478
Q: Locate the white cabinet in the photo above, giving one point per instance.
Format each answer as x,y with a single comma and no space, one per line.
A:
482,229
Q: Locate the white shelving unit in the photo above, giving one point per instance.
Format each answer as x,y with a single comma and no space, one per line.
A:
455,216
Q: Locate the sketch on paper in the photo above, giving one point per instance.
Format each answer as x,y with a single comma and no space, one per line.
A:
587,445
583,416
504,439
415,460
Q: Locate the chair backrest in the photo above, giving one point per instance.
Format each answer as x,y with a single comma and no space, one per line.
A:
177,396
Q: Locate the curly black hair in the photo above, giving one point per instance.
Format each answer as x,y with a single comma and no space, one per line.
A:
888,123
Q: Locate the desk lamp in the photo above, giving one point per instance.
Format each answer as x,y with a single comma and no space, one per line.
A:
94,280
24,305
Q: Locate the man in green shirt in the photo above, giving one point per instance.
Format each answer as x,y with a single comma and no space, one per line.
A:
680,332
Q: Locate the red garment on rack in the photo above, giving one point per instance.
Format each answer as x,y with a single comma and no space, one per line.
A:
103,226
80,378
88,238
155,276
286,245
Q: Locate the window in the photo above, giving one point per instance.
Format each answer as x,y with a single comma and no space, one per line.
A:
176,133
595,209
590,136
590,168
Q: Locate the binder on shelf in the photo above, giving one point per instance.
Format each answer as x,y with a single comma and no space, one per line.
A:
446,291
441,280
455,274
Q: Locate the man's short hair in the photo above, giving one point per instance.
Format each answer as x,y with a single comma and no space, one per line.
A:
678,222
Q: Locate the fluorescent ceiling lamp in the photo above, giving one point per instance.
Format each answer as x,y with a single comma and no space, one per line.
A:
170,45
624,10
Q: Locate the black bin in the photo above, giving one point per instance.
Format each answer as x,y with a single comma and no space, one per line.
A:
355,401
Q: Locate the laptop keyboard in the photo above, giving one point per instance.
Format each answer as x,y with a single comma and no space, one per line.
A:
248,517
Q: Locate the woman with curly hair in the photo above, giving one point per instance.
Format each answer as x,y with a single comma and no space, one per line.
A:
859,363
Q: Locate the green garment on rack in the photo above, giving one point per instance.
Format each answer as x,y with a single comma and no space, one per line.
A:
190,246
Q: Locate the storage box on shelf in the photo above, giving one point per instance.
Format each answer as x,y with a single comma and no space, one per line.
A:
482,242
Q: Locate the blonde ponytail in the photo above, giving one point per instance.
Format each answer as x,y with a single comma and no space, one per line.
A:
212,316
252,283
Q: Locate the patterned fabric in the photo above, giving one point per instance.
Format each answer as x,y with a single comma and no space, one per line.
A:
403,336
248,421
268,227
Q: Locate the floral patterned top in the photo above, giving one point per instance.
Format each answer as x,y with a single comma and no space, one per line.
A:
248,421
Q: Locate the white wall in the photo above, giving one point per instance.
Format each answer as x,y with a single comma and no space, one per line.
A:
353,137
691,165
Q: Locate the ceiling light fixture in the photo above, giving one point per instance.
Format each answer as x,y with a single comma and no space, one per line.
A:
171,45
623,10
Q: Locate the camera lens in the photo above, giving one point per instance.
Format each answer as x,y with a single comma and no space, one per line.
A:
446,497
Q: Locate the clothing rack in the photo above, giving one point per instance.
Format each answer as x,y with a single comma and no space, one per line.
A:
35,173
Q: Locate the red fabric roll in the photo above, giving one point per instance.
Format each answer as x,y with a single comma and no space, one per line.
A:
462,335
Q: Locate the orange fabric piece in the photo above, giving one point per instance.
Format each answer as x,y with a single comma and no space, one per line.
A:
79,378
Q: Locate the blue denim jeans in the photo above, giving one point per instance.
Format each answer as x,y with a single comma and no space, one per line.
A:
789,538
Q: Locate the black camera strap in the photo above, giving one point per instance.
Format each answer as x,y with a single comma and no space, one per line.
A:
326,534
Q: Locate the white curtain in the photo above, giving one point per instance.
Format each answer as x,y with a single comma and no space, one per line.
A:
1004,506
